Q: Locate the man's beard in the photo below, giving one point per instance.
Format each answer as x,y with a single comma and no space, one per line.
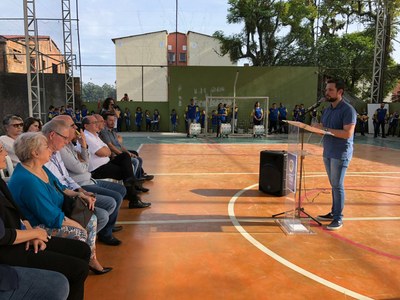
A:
330,99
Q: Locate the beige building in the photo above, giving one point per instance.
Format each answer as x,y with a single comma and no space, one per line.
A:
143,60
13,58
141,71
203,50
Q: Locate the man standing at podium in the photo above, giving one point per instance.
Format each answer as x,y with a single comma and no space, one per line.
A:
339,118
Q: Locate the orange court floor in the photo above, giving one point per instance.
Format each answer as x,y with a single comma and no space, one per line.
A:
209,233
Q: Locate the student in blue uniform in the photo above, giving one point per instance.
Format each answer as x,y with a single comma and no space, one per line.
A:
127,119
282,117
202,119
273,119
302,114
191,115
148,120
257,114
139,118
214,121
381,114
174,120
221,112
156,120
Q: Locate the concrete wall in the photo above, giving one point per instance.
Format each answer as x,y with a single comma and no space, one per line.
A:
203,51
14,93
289,85
142,83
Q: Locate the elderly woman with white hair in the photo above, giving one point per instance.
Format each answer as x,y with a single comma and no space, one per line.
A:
35,190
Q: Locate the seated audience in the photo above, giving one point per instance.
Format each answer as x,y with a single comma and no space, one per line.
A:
100,165
109,195
111,138
12,125
55,166
36,191
24,246
32,125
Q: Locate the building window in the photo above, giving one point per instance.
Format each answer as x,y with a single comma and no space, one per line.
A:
182,57
33,64
54,68
170,47
184,48
171,57
43,65
16,55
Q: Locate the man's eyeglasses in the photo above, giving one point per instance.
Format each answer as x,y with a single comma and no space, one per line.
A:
17,125
66,138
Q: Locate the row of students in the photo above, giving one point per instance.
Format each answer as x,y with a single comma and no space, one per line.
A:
76,115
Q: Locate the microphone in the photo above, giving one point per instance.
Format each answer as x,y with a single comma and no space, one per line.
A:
316,104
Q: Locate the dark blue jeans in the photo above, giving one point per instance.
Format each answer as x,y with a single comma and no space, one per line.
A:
38,284
116,192
336,170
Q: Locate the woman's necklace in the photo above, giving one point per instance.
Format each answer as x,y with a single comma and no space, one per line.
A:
38,172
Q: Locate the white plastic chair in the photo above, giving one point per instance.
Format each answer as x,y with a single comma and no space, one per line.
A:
10,170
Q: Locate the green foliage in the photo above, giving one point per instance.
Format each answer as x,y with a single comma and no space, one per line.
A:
92,92
348,57
311,33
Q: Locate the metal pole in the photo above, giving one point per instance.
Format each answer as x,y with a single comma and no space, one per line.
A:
79,48
234,102
176,32
142,84
32,53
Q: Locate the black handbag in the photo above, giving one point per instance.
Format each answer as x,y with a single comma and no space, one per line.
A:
76,208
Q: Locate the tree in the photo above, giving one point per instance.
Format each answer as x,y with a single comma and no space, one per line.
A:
261,40
352,61
92,92
311,32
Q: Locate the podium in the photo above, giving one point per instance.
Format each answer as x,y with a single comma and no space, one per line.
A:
293,221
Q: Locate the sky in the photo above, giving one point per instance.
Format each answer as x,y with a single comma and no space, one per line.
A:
102,20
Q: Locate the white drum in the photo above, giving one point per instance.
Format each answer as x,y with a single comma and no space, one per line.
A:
194,129
258,130
226,129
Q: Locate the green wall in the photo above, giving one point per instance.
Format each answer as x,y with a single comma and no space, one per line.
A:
289,85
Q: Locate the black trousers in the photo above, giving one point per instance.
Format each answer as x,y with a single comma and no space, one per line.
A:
378,125
119,168
68,257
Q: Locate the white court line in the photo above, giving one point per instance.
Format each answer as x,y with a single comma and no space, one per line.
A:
280,259
241,220
309,174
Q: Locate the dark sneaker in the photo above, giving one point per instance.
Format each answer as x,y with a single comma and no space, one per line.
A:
335,225
327,217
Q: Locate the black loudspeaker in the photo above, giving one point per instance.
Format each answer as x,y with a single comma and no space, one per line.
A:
272,178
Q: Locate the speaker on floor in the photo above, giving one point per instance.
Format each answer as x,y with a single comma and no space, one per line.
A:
272,178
